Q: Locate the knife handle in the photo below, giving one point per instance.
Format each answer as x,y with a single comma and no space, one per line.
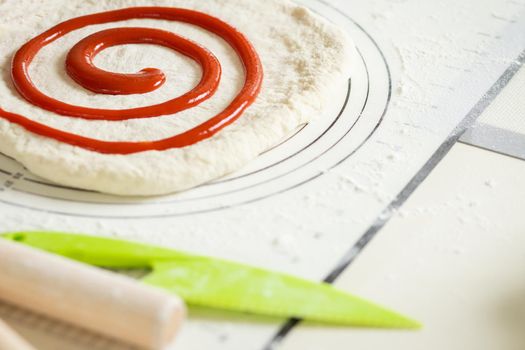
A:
10,340
88,297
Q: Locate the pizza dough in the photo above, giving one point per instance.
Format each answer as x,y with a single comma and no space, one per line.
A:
305,59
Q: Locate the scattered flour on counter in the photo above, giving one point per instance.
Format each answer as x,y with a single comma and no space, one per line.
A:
489,184
285,244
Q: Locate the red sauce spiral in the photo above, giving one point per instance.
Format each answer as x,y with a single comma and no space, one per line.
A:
80,67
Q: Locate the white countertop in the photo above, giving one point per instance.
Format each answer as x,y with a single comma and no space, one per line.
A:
452,257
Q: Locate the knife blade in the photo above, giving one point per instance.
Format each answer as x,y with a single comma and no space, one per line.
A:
220,284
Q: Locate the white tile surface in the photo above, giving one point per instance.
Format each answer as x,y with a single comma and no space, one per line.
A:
453,257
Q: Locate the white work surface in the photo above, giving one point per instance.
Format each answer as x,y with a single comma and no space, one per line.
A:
446,250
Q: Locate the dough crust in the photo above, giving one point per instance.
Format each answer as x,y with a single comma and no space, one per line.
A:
305,60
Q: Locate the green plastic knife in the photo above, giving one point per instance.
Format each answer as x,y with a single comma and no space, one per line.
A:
220,284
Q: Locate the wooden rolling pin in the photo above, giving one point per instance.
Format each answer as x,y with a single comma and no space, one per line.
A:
10,340
88,297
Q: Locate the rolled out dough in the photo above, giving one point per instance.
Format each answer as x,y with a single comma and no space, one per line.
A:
305,60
